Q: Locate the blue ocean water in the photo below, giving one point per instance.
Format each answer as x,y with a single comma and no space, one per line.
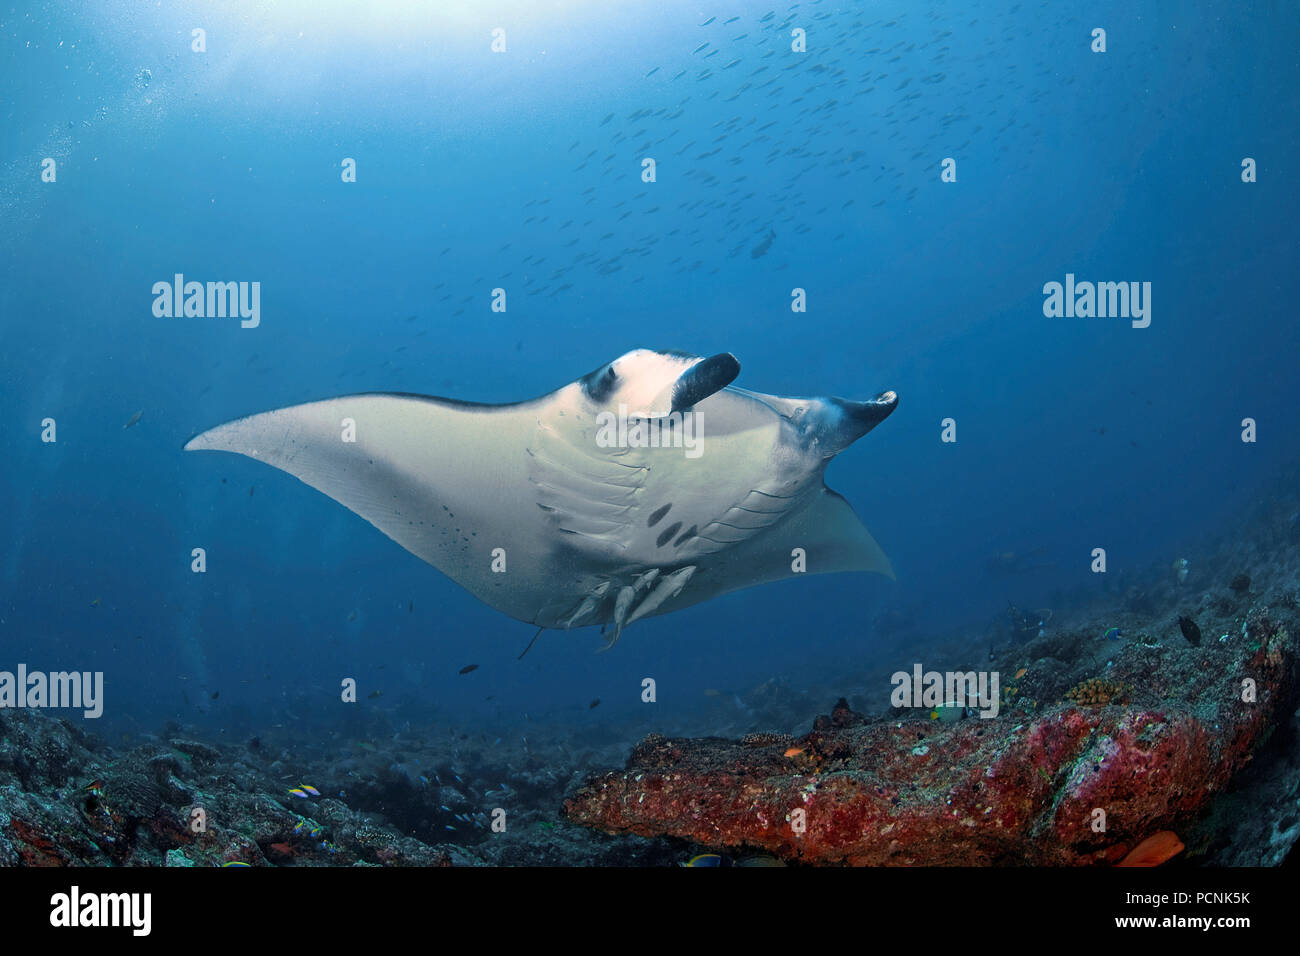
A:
522,169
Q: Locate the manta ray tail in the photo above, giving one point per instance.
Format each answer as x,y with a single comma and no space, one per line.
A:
531,643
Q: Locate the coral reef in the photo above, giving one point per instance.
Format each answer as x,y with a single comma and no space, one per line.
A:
1083,782
1153,722
69,799
1095,690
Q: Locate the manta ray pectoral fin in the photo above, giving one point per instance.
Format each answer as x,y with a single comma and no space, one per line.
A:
445,480
837,540
384,470
826,531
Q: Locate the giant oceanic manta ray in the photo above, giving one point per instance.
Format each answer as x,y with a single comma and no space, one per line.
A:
644,487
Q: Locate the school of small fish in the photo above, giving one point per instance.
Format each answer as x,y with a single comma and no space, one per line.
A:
757,145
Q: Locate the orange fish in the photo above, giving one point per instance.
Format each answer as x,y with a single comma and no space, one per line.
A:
1021,673
1154,850
795,751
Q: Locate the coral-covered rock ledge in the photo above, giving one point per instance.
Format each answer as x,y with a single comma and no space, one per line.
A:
1025,787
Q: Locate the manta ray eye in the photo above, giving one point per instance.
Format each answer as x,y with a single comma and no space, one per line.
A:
601,383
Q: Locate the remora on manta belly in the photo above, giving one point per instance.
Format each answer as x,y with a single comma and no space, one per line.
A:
535,511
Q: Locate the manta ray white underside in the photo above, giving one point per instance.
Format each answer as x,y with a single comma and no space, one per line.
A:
591,525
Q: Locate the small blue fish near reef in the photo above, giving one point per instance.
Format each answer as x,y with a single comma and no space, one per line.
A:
309,789
1113,634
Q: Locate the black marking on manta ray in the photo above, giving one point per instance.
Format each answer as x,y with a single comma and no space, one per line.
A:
657,515
689,533
666,535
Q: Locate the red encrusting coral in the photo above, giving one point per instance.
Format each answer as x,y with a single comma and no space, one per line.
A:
34,847
1069,785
